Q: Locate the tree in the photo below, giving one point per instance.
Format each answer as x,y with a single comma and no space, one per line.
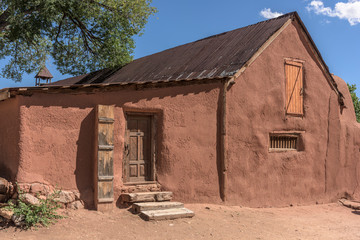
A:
80,35
355,100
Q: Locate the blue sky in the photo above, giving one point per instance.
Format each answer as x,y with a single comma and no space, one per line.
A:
333,24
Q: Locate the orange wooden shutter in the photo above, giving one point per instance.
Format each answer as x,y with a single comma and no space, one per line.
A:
294,88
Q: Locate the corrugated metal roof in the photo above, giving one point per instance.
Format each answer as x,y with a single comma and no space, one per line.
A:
217,56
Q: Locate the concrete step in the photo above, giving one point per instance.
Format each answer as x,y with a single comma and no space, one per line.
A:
146,197
166,214
147,206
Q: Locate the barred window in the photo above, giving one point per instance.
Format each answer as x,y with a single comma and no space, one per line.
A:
283,142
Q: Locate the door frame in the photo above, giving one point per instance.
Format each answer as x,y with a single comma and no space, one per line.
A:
152,174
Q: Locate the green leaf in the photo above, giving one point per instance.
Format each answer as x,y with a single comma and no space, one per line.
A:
356,100
80,36
37,215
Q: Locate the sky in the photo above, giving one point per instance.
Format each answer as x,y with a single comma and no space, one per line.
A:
333,24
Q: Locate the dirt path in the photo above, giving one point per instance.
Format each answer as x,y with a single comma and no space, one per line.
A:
329,221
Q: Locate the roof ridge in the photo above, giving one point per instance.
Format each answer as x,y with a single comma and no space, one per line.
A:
267,20
212,36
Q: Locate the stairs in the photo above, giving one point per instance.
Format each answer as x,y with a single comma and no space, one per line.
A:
148,206
156,206
145,197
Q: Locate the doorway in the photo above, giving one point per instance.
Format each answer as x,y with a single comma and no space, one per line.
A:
139,149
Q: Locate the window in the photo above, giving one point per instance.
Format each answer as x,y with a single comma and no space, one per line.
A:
294,88
283,142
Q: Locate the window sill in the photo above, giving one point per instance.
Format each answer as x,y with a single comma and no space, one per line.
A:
282,150
295,115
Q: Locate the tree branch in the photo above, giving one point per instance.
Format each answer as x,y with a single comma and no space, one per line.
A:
59,28
87,35
3,20
83,32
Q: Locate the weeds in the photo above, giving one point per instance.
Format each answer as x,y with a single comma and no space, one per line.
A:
32,215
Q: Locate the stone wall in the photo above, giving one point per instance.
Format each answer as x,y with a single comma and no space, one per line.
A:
32,192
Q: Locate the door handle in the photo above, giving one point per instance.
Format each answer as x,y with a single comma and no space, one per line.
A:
126,150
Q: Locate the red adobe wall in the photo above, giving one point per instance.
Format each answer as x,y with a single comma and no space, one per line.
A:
9,138
57,139
53,139
324,170
348,166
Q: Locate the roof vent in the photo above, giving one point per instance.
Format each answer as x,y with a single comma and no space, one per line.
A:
43,75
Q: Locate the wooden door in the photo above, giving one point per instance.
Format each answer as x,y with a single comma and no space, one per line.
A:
138,148
294,88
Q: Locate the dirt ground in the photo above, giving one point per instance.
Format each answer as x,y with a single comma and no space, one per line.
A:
328,221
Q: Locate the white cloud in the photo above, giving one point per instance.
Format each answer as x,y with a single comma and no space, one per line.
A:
267,13
325,21
349,10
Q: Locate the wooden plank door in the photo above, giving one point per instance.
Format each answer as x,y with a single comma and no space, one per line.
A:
104,173
294,88
138,148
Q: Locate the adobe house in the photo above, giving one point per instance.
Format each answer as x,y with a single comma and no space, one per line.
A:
248,117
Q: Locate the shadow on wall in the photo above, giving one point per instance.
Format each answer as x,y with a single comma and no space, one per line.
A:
118,97
6,173
84,160
9,139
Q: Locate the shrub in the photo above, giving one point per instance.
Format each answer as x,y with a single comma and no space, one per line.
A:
42,214
356,100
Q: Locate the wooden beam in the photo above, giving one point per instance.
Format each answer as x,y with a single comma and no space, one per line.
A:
4,95
153,147
223,141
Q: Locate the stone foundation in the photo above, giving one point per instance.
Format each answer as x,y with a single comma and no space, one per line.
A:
6,190
32,192
155,187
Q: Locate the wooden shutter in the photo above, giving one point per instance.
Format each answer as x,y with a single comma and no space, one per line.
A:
294,88
104,171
